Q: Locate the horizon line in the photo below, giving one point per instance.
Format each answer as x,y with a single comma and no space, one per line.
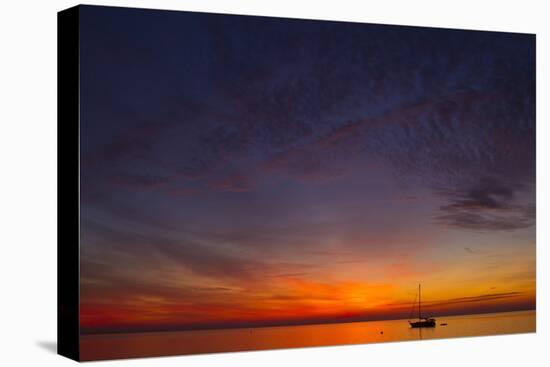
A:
112,331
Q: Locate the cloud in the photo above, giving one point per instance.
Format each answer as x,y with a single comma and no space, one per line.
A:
306,164
434,304
490,204
139,181
136,141
442,140
290,275
158,251
183,192
472,251
344,96
235,182
185,253
488,194
484,222
474,299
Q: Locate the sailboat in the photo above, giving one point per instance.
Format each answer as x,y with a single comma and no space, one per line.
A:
422,321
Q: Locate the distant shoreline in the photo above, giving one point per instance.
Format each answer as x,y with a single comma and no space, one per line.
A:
274,325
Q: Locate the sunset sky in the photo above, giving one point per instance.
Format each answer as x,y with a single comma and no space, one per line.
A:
249,171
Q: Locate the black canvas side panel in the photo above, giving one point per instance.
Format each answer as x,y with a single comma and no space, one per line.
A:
68,183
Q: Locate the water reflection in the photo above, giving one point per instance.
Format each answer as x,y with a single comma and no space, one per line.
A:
208,341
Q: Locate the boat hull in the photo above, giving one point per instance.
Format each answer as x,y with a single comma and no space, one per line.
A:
424,323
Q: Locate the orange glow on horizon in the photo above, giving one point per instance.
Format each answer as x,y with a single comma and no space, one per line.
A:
295,299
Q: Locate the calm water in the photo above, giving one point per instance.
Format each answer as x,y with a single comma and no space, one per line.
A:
207,341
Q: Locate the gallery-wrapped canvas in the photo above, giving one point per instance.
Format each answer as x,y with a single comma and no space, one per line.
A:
231,183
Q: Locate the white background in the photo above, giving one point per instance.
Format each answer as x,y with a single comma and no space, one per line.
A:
28,183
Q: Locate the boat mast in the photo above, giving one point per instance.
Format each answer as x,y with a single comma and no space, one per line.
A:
419,295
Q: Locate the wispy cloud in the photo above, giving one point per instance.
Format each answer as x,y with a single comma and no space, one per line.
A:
489,205
235,182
